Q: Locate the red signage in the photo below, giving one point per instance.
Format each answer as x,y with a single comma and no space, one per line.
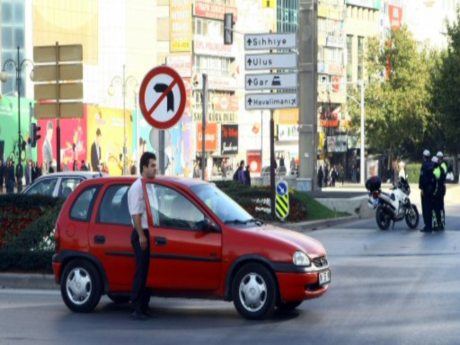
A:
210,9
210,139
254,159
396,14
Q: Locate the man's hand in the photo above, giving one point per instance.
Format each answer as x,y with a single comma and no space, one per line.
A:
143,241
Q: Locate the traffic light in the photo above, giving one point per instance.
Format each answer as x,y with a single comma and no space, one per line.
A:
228,28
34,134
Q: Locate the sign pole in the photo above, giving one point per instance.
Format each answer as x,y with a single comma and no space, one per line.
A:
204,104
58,126
272,159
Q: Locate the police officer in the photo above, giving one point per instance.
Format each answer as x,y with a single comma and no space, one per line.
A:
426,185
437,195
444,167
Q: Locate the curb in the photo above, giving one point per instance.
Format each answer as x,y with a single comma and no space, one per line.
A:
27,281
317,224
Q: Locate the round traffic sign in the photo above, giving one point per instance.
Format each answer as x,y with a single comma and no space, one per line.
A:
162,97
281,188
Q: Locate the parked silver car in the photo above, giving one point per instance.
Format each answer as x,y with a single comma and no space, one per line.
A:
59,184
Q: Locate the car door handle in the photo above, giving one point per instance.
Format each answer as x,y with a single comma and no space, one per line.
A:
99,239
160,241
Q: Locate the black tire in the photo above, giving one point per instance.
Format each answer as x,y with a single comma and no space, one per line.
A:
412,217
382,218
81,286
254,292
288,306
119,299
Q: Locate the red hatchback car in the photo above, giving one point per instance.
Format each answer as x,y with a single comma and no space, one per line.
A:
205,246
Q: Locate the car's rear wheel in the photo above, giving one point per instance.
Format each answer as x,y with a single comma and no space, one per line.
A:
81,286
254,291
288,306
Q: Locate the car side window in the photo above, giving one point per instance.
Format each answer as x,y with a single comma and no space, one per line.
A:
176,211
114,206
81,208
68,185
45,187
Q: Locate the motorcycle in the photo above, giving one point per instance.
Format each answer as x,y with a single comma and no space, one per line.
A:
394,206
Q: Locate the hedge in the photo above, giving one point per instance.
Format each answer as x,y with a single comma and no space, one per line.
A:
26,232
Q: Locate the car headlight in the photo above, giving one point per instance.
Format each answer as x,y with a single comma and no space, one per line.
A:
301,259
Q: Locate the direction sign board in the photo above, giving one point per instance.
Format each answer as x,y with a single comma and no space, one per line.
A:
270,81
270,61
282,200
269,41
162,97
271,101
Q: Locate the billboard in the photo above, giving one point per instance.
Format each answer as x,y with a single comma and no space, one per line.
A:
180,27
229,139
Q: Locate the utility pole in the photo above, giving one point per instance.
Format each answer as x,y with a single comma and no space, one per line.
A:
308,76
204,105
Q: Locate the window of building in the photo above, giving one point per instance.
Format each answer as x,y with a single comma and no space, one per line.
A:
349,57
6,13
360,73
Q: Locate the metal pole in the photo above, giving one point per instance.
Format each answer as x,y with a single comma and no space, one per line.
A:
272,163
261,140
58,129
18,84
308,77
204,104
362,162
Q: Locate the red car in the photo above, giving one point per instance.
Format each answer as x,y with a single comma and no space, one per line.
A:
205,246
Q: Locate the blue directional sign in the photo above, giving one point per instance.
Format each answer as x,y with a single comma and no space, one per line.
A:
281,188
282,200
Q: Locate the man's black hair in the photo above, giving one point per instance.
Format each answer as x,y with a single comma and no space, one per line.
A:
145,158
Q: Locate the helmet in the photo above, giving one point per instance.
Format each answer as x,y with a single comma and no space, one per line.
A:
426,153
435,159
439,154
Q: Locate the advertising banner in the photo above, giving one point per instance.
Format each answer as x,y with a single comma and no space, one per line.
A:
229,139
210,137
254,159
180,14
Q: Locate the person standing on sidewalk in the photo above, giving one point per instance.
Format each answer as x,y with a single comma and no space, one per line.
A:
444,168
437,195
2,175
140,238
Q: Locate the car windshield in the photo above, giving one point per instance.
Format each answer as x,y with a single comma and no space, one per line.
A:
221,204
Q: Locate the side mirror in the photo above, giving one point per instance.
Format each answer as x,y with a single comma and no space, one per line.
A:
210,226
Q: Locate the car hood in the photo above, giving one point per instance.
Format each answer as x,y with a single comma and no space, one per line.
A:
294,239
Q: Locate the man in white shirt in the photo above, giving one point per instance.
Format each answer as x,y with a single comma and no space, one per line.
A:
140,294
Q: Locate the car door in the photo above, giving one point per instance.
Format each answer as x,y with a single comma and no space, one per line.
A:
110,237
184,256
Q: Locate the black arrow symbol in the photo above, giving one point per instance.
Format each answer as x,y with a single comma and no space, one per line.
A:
249,41
160,88
249,82
249,101
249,62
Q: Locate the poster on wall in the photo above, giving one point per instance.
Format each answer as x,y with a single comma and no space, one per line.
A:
229,139
254,159
105,128
73,144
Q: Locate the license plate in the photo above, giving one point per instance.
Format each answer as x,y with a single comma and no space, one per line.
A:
324,277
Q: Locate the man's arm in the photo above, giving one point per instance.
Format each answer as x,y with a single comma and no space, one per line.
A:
138,226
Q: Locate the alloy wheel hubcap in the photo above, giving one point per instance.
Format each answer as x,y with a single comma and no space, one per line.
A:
78,286
253,292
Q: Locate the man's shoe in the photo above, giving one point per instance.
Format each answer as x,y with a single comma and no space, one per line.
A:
137,315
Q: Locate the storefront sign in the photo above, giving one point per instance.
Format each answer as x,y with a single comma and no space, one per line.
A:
205,46
217,117
210,9
374,4
254,159
229,139
396,14
288,132
210,137
182,63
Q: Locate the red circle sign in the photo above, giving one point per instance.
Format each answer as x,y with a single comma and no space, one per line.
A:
162,97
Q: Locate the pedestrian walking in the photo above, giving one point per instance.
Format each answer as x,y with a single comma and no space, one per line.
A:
29,168
9,179
239,173
320,177
2,175
247,176
140,237
426,185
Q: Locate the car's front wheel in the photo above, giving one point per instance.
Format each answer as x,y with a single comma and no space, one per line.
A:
81,286
254,291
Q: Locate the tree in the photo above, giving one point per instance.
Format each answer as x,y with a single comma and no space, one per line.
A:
396,97
445,91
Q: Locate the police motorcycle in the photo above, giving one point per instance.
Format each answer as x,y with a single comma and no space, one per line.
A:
393,206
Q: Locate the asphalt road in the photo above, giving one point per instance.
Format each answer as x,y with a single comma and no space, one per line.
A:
392,287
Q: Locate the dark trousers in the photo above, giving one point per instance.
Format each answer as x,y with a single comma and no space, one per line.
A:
437,211
140,294
427,209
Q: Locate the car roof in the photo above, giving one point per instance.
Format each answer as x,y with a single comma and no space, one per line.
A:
84,174
183,181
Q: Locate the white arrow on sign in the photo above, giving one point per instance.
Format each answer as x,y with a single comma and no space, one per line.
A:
269,41
273,81
270,101
269,61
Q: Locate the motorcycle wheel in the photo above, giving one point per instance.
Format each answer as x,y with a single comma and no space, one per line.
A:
412,217
383,218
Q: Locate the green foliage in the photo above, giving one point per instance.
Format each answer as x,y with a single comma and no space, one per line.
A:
413,171
396,105
27,224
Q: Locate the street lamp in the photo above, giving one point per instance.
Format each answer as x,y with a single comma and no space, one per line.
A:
17,65
123,81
